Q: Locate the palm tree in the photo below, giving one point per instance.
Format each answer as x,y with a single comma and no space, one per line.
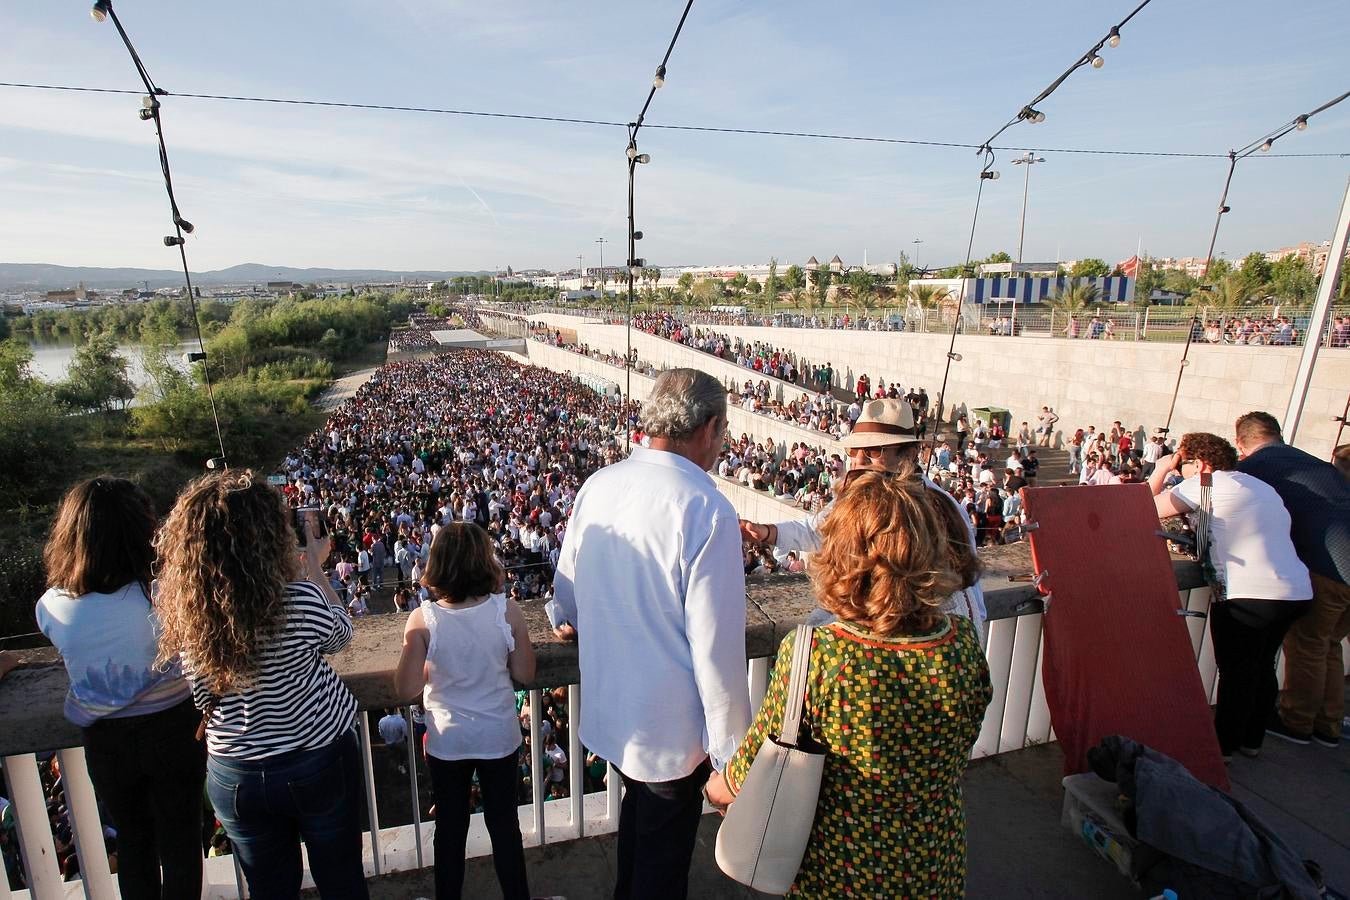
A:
926,297
1076,297
1228,292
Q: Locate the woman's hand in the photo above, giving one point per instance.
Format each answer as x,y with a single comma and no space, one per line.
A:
718,793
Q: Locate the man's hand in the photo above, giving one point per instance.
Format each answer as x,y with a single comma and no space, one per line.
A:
753,533
565,632
718,794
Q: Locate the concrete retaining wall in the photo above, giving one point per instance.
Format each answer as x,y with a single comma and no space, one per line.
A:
1087,382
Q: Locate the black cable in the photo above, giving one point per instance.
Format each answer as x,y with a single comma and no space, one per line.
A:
710,129
1027,111
151,110
634,159
661,69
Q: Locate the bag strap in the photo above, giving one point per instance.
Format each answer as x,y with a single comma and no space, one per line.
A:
801,664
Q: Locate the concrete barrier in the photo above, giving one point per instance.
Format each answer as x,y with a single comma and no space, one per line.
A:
1087,382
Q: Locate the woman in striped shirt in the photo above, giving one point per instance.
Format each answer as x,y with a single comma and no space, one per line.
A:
283,760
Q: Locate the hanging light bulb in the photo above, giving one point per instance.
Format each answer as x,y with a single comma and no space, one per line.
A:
632,151
1265,148
1301,123
1038,117
660,80
100,11
1097,61
1114,39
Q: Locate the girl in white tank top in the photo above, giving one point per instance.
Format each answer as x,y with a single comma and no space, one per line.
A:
461,651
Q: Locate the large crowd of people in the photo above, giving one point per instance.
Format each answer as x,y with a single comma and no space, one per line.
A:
467,486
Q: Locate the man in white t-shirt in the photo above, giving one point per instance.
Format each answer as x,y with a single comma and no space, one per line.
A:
1252,564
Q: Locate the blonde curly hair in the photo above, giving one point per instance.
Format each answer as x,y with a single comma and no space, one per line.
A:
883,562
226,552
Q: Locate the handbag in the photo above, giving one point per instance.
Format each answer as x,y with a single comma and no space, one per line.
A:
763,838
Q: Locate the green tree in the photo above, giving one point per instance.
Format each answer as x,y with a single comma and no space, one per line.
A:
1255,268
1075,297
820,281
686,284
771,284
707,292
1228,292
793,279
1292,280
999,257
926,297
862,286
1218,270
1147,280
35,439
736,286
1178,282
97,377
1090,268
754,288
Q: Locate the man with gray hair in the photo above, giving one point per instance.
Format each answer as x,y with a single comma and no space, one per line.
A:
651,584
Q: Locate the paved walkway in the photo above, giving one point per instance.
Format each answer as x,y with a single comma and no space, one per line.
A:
343,389
1017,847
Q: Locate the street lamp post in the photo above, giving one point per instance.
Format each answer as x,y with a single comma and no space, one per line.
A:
1029,160
601,242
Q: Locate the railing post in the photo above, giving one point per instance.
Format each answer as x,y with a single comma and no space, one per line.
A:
368,769
85,826
536,766
412,781
576,763
37,850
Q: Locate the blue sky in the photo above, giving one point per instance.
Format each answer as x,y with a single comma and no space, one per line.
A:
303,186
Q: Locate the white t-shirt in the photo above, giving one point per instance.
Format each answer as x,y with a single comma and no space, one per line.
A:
1249,538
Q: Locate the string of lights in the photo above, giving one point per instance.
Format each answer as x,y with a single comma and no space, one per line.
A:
1028,113
1262,144
634,160
150,111
1093,58
603,123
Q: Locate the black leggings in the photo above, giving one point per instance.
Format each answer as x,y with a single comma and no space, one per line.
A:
499,783
149,771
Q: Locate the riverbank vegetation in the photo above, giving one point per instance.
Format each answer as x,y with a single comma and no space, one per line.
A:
268,361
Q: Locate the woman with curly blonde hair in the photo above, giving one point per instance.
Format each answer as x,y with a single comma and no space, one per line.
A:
896,694
283,761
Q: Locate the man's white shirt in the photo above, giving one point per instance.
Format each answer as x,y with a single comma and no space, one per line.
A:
650,574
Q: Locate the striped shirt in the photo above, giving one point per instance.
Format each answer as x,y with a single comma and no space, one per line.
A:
296,701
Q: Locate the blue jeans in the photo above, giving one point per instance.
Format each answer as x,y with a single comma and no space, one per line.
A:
268,805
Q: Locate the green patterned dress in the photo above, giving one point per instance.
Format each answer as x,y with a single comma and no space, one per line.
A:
899,716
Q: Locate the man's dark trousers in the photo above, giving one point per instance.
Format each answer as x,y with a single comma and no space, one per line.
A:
658,825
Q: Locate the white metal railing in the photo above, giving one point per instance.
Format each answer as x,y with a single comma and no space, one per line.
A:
1017,717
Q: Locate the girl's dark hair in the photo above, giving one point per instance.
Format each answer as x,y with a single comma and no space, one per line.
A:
101,538
462,564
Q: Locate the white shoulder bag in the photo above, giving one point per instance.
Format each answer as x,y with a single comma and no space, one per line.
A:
763,838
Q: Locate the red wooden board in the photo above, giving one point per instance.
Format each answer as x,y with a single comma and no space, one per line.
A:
1117,657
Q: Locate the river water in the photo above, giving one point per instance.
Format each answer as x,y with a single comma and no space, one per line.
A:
52,357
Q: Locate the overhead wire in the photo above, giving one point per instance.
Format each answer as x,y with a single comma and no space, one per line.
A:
1263,143
151,110
667,126
635,159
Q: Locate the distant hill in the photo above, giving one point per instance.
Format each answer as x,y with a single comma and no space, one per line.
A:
43,277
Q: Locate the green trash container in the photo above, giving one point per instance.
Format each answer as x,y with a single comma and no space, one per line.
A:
991,414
